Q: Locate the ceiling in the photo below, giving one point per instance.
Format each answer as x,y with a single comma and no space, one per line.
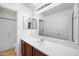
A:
33,5
59,8
62,7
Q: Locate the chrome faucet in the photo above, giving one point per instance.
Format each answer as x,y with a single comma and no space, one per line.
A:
41,40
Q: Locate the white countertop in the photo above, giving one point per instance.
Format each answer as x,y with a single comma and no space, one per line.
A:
51,48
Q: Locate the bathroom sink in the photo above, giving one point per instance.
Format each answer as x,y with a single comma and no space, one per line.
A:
39,41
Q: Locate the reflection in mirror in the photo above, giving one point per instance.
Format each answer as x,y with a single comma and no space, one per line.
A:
34,23
29,25
57,25
41,27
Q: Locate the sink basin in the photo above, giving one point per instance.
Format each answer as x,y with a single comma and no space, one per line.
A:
39,41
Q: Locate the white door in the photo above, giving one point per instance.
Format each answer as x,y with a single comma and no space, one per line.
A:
7,33
12,32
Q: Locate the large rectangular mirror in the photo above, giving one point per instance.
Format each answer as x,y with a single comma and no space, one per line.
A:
57,22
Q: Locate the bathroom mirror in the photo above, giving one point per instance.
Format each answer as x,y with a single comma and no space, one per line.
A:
26,22
29,23
57,22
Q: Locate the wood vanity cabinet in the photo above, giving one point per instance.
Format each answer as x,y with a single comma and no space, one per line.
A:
23,48
28,50
36,52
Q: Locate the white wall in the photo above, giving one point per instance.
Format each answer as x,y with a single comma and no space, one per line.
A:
59,25
76,21
21,12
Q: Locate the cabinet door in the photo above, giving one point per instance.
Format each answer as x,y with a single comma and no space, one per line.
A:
37,53
28,50
23,48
